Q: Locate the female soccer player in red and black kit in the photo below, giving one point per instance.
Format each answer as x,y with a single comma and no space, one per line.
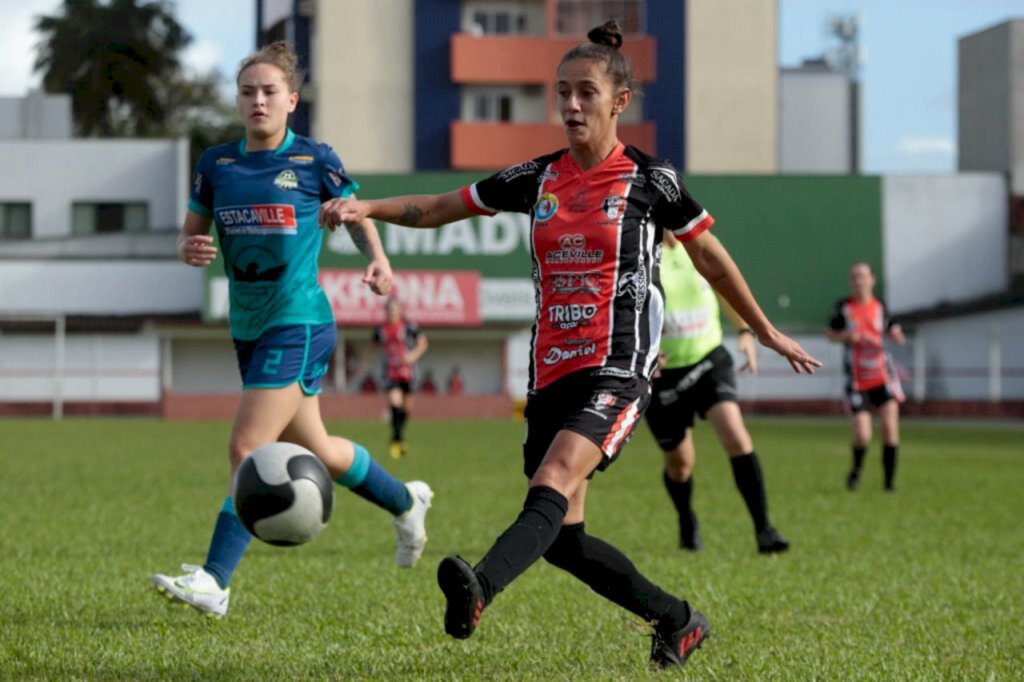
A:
402,344
861,323
598,211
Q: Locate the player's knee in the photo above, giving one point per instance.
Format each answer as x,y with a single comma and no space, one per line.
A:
678,468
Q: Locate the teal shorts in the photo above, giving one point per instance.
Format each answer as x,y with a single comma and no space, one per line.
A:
285,355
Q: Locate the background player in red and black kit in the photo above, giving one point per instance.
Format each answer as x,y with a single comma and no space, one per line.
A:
861,323
598,212
401,343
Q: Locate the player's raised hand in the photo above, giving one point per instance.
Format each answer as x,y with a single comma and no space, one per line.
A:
378,277
335,212
799,359
197,250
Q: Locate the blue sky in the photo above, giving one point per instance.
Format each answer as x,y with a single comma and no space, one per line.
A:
908,73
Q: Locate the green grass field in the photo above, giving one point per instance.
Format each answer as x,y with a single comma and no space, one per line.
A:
925,584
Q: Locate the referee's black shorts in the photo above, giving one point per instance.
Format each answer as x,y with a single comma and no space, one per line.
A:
603,409
681,392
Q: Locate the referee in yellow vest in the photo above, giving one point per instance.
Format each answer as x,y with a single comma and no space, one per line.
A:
697,377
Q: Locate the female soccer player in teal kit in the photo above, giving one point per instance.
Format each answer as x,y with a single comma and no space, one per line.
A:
263,193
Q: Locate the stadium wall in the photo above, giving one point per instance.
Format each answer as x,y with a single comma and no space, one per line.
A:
945,239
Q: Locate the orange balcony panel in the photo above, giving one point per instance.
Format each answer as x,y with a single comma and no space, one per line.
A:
532,59
488,146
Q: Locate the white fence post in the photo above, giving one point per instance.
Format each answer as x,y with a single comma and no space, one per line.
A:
920,380
995,366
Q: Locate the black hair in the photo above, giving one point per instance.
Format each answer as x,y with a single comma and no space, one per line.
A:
605,41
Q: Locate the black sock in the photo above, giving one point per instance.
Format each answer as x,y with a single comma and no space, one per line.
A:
524,541
858,460
681,492
612,575
398,416
746,470
889,463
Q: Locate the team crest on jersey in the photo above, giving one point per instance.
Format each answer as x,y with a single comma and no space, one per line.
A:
613,206
225,160
545,206
286,179
304,160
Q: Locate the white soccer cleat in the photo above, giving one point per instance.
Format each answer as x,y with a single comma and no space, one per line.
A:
410,527
196,588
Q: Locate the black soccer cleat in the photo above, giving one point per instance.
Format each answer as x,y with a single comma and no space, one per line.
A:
669,648
689,537
852,479
770,542
461,588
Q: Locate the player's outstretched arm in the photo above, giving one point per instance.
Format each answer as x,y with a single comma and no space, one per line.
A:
420,210
195,245
715,264
378,275
745,342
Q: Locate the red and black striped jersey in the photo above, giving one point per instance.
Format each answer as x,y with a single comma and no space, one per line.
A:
396,339
866,363
595,239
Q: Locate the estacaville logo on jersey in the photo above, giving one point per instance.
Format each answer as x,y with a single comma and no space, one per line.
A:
257,219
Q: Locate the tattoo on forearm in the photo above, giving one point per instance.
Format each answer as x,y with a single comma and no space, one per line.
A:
411,215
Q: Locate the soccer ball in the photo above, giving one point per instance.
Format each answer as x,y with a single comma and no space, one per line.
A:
283,494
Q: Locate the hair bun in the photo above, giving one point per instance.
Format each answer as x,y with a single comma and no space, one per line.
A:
608,34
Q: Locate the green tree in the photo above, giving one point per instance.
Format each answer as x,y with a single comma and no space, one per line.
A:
118,60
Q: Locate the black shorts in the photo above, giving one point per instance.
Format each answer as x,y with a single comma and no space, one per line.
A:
681,392
604,410
860,401
404,386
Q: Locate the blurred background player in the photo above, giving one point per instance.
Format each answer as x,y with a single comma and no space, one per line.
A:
263,193
697,377
861,323
455,384
595,334
402,344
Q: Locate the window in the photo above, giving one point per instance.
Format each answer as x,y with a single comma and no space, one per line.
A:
579,16
15,221
498,21
492,107
104,218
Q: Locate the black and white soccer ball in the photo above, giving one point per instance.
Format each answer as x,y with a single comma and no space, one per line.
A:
283,494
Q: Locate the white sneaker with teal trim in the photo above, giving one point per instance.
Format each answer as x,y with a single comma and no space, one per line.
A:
196,588
410,527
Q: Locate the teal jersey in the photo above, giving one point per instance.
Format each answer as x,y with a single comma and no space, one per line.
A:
692,328
265,206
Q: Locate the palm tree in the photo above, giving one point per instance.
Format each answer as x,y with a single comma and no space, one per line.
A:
115,59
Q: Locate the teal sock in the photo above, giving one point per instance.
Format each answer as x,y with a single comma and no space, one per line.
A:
227,546
368,480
